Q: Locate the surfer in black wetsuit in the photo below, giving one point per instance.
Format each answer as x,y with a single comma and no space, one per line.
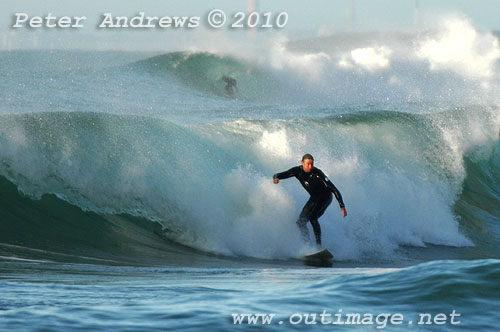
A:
320,188
230,84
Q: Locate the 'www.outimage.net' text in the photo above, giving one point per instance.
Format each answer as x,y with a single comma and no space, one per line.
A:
380,320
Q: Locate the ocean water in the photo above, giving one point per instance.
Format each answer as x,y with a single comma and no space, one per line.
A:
136,195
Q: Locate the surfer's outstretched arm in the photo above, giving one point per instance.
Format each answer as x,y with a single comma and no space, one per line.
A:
329,184
338,196
286,174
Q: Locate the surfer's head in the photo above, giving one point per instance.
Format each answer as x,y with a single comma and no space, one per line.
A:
307,162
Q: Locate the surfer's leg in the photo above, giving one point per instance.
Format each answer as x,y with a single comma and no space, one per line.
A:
301,223
317,231
317,211
320,208
304,217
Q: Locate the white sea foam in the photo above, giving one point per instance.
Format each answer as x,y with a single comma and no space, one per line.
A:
369,58
459,47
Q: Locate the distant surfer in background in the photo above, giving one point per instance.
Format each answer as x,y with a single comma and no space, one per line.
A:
230,84
320,188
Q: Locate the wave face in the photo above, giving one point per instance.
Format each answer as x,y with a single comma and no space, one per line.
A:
406,124
203,71
209,184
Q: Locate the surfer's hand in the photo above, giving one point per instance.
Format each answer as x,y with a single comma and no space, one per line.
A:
343,211
276,180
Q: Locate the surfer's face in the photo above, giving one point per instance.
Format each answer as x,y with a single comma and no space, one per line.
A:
307,165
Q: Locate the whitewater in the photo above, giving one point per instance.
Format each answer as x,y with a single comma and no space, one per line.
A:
136,194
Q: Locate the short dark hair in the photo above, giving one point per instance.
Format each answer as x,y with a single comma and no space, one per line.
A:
307,156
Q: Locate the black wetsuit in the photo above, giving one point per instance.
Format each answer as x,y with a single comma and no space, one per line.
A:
320,188
230,84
